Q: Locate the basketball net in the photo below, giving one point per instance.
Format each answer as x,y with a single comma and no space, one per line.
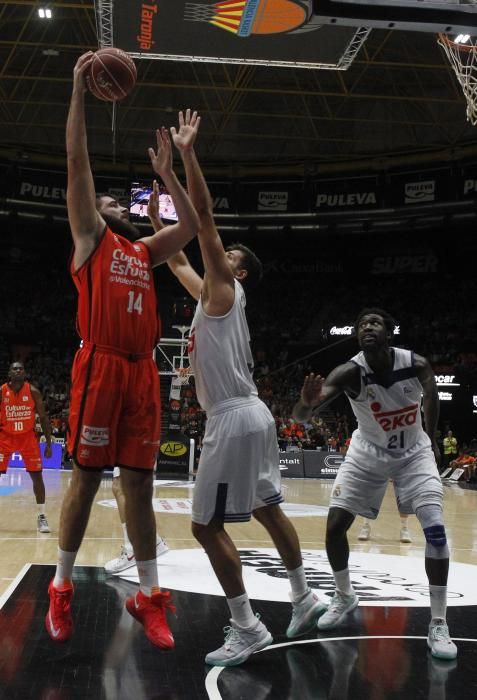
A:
183,375
463,59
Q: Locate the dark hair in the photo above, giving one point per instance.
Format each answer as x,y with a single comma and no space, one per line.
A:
99,197
389,322
16,362
251,263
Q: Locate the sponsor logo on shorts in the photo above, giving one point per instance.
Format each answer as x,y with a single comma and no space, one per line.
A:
171,448
84,453
391,420
94,436
336,492
370,393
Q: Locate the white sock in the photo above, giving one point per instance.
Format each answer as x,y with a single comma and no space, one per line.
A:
127,542
438,595
148,578
343,582
404,521
298,583
241,611
64,567
41,508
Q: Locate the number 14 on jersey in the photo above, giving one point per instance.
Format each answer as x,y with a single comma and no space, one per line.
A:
134,302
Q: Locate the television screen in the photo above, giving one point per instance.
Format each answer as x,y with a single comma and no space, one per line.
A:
140,197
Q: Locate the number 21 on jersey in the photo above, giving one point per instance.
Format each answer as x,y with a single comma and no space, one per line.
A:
134,302
396,441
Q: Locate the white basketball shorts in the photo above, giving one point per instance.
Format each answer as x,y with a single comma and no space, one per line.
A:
363,477
239,466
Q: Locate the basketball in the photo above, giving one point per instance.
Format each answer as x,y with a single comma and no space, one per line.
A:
112,75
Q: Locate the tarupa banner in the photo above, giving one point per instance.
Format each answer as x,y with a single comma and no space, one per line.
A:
261,32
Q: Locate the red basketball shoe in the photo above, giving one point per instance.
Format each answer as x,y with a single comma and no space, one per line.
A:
151,613
58,621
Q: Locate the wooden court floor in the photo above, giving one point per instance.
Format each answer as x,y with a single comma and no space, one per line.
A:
379,653
20,543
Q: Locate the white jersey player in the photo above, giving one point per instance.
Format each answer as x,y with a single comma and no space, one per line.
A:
384,386
239,473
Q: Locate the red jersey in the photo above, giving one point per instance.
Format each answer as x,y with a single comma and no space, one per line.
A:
17,412
117,306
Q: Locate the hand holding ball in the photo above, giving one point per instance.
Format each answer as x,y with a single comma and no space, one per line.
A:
112,74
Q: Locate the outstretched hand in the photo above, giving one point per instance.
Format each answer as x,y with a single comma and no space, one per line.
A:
188,128
161,160
153,206
81,69
311,390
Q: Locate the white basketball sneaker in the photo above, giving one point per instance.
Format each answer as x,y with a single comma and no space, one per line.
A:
439,641
339,607
42,524
305,613
127,560
161,546
364,533
405,535
239,644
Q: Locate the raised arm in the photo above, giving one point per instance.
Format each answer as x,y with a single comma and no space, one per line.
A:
44,421
430,403
318,392
85,222
169,240
218,289
179,263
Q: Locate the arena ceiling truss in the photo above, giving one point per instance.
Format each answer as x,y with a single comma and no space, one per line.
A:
398,99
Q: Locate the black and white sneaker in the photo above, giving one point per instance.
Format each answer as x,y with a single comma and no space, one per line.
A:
42,524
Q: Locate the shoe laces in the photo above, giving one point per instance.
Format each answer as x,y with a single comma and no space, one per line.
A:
337,602
231,635
61,601
162,599
440,632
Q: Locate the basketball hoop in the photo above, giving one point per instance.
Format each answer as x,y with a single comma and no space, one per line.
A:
462,55
183,375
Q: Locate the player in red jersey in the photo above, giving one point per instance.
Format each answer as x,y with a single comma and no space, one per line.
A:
115,400
19,402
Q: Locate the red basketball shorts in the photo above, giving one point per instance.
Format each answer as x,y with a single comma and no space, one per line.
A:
24,443
115,410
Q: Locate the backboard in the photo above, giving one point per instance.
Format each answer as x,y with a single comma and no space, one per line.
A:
254,32
446,16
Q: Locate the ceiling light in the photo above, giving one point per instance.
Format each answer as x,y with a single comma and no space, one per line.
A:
462,39
44,13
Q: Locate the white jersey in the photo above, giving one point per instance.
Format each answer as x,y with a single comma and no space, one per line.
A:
388,407
220,355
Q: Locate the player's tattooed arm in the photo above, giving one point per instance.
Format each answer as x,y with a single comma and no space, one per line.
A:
317,392
430,402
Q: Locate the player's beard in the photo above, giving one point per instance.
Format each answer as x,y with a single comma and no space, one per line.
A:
122,227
